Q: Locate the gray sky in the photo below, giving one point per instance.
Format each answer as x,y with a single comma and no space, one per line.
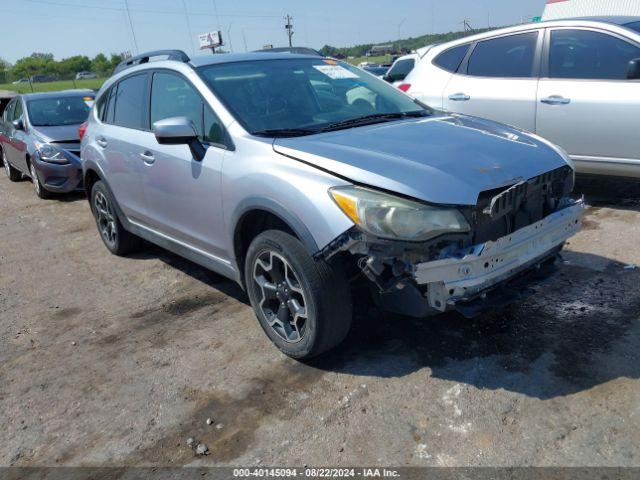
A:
87,27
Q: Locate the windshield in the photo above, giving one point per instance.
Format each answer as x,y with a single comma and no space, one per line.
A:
303,95
633,26
49,112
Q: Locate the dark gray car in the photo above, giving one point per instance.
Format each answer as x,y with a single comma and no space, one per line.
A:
39,138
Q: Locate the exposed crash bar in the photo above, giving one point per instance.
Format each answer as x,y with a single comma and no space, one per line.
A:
479,267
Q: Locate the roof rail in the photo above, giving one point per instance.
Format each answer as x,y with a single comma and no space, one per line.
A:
177,55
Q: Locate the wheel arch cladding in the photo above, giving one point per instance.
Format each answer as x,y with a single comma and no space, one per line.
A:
255,216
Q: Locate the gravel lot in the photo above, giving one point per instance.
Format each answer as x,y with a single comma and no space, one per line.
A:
118,361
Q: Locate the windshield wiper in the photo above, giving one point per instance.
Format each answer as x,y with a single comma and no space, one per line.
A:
373,118
284,132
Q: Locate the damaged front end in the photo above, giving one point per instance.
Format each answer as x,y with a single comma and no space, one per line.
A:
513,237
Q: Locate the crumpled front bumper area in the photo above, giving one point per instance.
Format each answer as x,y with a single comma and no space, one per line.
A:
466,274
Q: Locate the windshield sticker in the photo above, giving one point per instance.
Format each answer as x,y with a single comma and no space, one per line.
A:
335,72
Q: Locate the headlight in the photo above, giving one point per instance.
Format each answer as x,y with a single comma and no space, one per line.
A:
51,154
394,217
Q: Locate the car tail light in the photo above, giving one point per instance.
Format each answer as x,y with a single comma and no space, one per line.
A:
404,87
82,129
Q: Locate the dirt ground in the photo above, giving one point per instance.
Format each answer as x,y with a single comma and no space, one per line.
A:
118,361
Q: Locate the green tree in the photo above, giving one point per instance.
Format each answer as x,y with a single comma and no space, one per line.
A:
100,65
73,65
116,58
36,63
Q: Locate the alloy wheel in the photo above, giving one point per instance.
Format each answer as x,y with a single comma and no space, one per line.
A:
105,219
283,301
34,178
5,162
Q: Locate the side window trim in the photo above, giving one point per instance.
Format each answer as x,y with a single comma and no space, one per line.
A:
537,55
221,146
546,52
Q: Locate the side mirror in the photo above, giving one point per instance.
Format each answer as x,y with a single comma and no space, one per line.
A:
633,70
18,124
387,78
179,131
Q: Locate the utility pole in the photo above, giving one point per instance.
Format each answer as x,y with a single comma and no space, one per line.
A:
289,28
467,26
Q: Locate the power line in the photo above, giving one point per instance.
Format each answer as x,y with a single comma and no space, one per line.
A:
133,33
146,10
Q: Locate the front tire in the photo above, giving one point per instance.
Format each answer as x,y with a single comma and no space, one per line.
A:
12,174
41,192
114,236
303,304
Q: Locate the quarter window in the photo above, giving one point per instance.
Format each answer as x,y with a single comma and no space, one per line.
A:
510,57
584,54
451,59
130,102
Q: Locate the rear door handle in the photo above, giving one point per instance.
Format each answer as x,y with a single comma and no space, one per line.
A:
147,157
459,97
556,100
101,142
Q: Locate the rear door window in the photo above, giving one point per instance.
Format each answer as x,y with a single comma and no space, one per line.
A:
130,102
451,59
585,54
507,57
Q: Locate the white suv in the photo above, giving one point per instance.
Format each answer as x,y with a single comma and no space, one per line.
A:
574,82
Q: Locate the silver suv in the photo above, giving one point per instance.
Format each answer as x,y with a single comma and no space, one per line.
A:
313,184
576,82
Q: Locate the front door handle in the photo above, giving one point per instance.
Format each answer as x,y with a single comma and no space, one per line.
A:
101,142
147,157
556,100
459,97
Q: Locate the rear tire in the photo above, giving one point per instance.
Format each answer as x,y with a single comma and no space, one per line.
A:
303,304
114,236
12,174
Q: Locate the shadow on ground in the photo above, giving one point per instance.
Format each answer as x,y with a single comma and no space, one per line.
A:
579,330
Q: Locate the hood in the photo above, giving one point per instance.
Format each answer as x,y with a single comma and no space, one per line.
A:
445,159
58,134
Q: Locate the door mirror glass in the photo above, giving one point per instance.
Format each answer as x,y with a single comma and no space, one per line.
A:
633,71
179,131
18,124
